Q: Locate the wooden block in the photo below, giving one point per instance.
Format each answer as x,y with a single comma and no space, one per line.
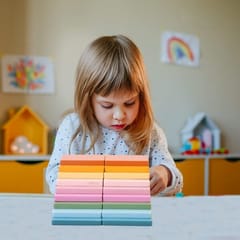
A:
76,221
126,160
126,213
126,205
78,197
126,190
126,183
81,168
126,157
80,175
126,198
77,205
82,160
110,168
79,190
127,222
124,175
126,163
77,213
79,182
83,157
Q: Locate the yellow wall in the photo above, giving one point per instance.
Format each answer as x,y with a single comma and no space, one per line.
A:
61,29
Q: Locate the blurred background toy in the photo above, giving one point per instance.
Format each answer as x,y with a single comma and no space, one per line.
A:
26,129
22,145
201,135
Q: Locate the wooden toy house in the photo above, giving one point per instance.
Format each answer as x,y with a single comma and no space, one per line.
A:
202,127
28,126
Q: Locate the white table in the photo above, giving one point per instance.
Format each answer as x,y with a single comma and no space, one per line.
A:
28,217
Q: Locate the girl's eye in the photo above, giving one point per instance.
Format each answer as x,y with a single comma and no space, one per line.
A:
129,103
106,106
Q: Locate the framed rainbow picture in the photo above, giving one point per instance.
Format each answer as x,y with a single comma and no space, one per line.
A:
181,49
27,74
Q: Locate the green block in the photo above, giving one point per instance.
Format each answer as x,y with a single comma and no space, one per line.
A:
77,205
118,205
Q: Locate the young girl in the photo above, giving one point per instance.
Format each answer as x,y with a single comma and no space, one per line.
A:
113,114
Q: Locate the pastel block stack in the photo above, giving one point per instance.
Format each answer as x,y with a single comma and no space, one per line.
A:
103,190
78,195
126,191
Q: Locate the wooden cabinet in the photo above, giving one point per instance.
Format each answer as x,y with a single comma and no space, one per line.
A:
23,176
224,175
193,174
20,177
210,174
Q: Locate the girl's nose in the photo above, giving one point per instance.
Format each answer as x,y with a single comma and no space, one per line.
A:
118,114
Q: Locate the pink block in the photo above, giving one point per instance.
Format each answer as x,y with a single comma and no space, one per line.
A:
79,182
83,157
78,197
126,183
126,175
143,158
79,190
126,198
126,190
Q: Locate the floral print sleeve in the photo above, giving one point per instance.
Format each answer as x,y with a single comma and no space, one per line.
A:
160,155
61,147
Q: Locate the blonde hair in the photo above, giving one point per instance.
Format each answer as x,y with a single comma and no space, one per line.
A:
110,64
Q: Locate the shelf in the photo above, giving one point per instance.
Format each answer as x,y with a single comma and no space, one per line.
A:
179,157
29,158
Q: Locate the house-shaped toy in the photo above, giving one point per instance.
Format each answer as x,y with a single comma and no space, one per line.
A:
26,131
202,127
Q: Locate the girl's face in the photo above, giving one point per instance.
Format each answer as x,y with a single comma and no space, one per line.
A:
116,111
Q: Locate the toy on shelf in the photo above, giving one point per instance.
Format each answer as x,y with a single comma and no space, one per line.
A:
22,145
25,133
102,190
201,135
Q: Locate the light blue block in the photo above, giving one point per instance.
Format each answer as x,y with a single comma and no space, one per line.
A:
126,213
127,222
75,213
76,221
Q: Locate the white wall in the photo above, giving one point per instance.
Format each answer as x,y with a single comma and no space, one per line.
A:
61,29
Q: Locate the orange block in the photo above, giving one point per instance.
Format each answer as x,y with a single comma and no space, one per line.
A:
82,160
110,168
81,168
126,160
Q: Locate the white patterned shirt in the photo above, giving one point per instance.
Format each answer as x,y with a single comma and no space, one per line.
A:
110,142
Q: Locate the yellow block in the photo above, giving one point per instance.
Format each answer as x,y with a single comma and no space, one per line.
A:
80,175
126,175
138,169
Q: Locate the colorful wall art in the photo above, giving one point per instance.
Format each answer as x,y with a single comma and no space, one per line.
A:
180,49
27,74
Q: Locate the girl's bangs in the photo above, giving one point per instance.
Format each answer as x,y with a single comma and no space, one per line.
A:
118,80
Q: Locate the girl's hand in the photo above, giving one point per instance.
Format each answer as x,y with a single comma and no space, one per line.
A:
160,178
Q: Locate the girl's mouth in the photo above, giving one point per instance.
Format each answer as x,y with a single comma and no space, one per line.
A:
118,126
